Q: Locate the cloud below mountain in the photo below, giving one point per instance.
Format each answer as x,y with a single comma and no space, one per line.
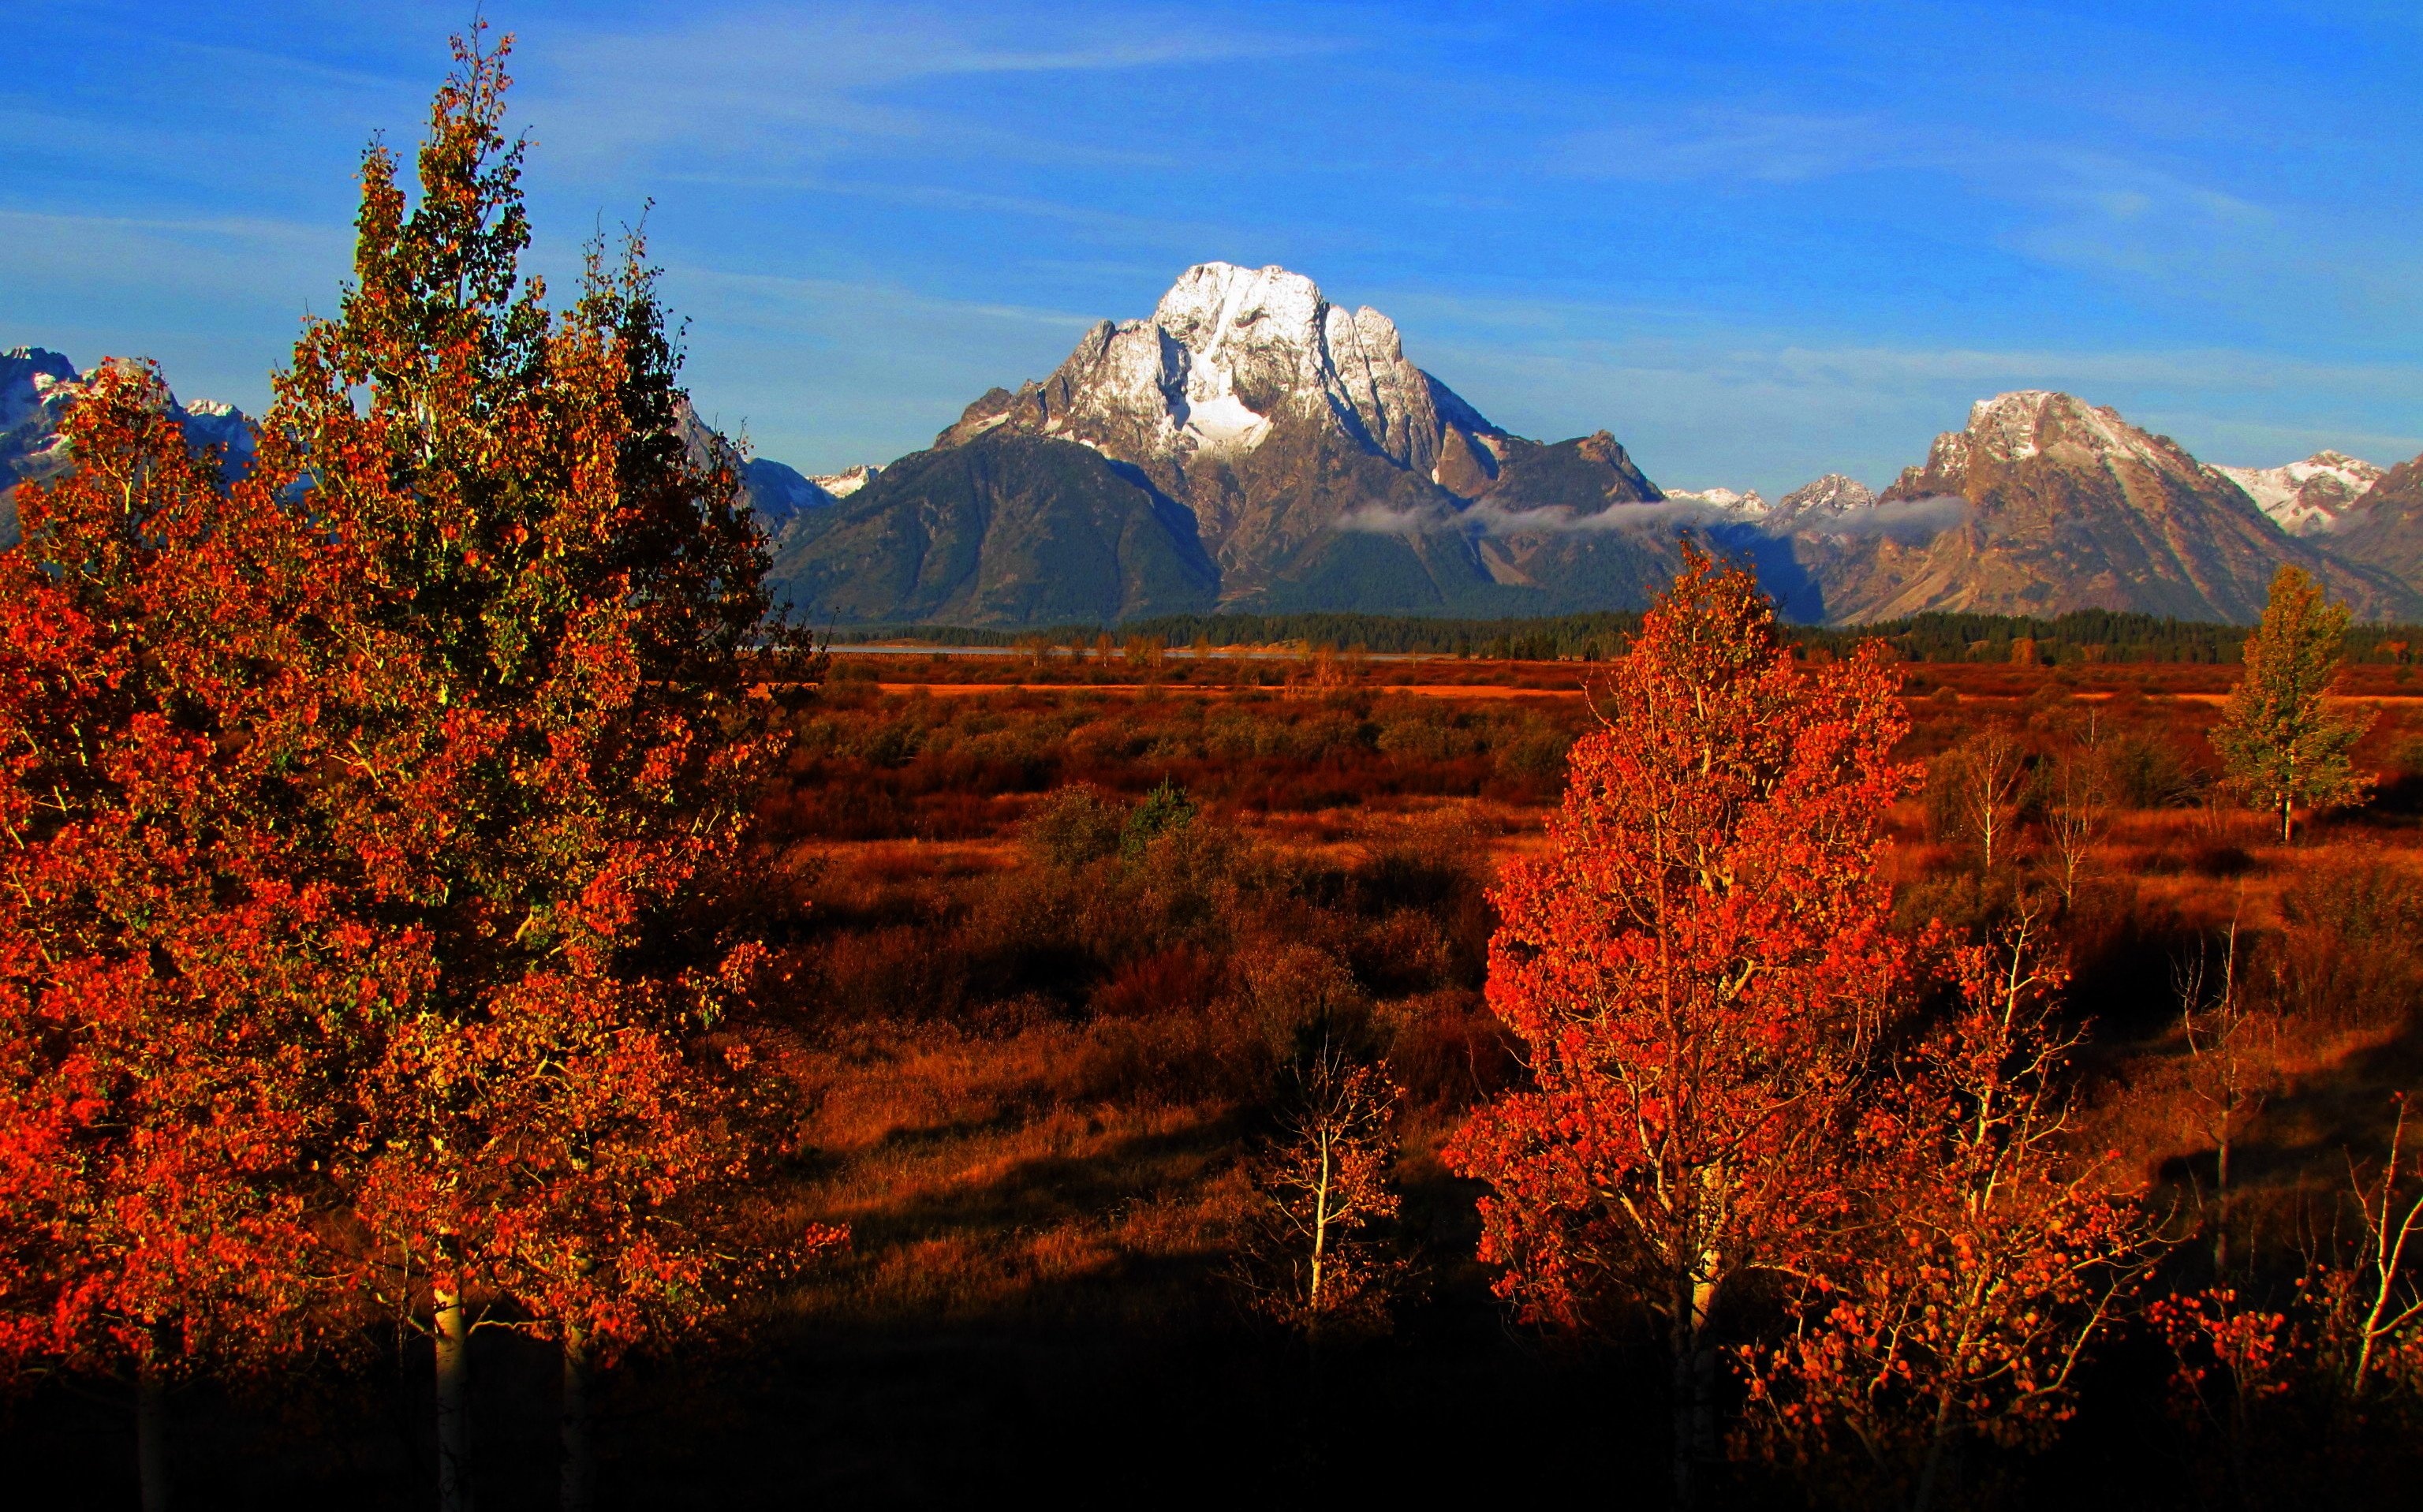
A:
1909,521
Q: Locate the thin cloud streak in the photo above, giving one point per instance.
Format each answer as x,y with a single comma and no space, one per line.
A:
784,85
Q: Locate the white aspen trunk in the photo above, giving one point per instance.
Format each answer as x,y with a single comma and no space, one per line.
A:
151,1438
453,1403
578,1458
1319,1229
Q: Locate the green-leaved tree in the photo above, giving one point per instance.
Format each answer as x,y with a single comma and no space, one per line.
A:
2284,746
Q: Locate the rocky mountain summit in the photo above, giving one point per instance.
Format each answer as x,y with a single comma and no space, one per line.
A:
1831,497
1287,442
2308,498
2046,503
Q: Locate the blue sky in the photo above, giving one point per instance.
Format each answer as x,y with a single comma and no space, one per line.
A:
1755,241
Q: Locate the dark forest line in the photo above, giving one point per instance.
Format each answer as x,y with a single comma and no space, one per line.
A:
2085,636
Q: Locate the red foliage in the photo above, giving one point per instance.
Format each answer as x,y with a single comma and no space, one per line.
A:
1696,972
536,664
174,994
1989,1254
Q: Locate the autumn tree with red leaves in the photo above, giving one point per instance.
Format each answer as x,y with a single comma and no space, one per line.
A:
173,1000
1698,972
1987,1253
539,683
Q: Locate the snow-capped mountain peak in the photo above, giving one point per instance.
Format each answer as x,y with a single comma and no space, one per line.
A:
1833,494
1747,503
2027,423
1228,354
847,482
2308,498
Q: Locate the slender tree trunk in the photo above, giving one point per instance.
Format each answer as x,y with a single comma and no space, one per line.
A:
453,1403
1939,1438
151,1438
1695,1389
1686,1350
579,1459
2221,1197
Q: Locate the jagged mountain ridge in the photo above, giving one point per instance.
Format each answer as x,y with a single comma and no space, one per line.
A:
2383,528
38,385
1252,446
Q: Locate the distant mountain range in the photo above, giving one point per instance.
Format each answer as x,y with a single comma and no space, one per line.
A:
1252,447
36,389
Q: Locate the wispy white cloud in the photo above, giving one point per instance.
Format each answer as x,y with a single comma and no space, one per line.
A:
214,298
801,84
2127,215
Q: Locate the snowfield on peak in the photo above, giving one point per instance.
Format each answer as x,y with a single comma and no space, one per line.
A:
1833,494
2307,498
2011,427
1228,354
1749,502
847,482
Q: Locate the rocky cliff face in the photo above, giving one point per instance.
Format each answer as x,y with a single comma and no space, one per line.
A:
2046,503
2382,528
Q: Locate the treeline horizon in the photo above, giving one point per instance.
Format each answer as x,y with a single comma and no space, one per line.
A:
2082,637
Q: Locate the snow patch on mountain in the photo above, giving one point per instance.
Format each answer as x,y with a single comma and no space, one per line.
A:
2307,498
2026,422
1225,421
1229,355
1833,495
847,482
1748,503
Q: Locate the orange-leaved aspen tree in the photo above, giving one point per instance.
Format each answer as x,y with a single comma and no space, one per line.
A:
542,689
1989,1255
1697,971
1320,1256
175,1006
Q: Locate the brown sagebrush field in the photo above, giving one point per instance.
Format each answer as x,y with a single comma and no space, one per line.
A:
1032,1074
1030,1041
